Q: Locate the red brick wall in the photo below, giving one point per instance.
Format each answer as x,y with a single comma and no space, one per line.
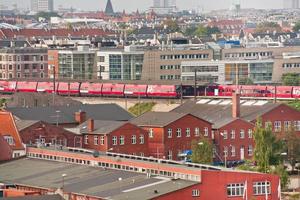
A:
237,125
5,150
127,130
49,132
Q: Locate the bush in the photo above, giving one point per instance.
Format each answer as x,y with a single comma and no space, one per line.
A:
141,108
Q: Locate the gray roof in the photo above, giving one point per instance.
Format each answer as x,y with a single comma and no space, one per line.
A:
221,115
30,197
22,124
102,127
159,119
94,181
66,114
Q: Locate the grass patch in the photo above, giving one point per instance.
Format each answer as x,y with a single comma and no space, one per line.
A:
2,102
141,108
294,104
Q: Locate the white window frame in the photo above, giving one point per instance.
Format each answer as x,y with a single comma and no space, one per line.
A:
235,189
170,155
122,140
142,139
133,139
205,131
96,142
178,132
259,188
114,140
277,126
250,133
233,151
169,133
232,134
195,193
188,132
101,140
242,133
86,139
287,125
250,150
151,133
225,135
197,132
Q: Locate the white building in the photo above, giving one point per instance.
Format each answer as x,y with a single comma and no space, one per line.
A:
42,5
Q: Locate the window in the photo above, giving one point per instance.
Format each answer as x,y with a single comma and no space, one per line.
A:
235,189
151,133
287,125
277,126
205,131
242,133
95,140
114,140
18,75
178,132
86,139
133,139
250,150
232,151
233,134
169,156
197,132
195,193
10,67
188,132
122,140
225,151
169,133
250,133
142,140
261,188
42,75
297,125
102,140
268,124
101,58
225,135
42,66
9,139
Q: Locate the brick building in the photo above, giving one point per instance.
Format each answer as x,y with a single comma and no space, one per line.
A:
234,121
23,63
172,133
42,133
10,133
114,136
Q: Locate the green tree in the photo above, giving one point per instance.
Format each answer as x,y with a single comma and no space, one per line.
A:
296,28
294,104
267,148
190,31
201,31
46,15
268,27
280,171
2,102
172,25
291,79
292,142
202,151
213,30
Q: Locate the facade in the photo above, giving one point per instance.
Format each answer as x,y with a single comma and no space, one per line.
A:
77,64
23,63
113,136
171,134
41,133
53,63
42,5
165,65
228,72
10,133
120,65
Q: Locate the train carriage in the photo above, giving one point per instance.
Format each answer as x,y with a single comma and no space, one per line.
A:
68,88
91,89
24,86
117,90
162,91
8,86
296,92
47,87
253,91
134,90
279,91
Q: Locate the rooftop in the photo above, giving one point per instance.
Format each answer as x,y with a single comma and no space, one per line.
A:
107,183
102,127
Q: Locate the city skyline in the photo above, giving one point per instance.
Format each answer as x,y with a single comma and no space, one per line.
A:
120,5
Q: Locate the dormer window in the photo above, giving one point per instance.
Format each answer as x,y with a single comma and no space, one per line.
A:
9,139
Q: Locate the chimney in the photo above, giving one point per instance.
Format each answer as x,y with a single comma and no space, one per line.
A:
90,125
236,105
80,117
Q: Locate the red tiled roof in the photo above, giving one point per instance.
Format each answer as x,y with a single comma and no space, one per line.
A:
9,33
8,128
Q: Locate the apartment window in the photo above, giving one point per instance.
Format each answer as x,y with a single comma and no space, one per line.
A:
42,67
178,132
95,140
297,125
232,151
122,140
205,131
10,67
169,156
287,125
142,140
242,133
235,189
261,188
9,139
19,67
188,132
169,133
151,133
114,140
195,193
197,132
42,58
42,75
250,133
133,139
10,75
102,140
232,134
225,135
86,139
101,59
277,126
250,150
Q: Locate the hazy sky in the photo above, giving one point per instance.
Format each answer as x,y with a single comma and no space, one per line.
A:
132,5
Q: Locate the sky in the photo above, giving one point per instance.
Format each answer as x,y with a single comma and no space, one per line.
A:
133,5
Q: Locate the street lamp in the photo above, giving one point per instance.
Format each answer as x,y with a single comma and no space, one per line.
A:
63,181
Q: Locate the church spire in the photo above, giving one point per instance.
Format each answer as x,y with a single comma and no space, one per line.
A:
109,8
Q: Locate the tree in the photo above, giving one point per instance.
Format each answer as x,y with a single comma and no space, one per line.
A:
292,142
2,102
296,28
265,27
283,174
213,30
172,25
201,31
291,79
202,151
46,15
267,148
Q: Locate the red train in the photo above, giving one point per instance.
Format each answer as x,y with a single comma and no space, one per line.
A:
254,91
91,89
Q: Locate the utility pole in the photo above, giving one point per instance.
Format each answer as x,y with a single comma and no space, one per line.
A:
195,86
181,93
54,88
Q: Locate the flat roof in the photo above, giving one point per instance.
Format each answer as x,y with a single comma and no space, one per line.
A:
93,181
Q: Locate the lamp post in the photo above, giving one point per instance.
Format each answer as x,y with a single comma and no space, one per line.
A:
63,181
